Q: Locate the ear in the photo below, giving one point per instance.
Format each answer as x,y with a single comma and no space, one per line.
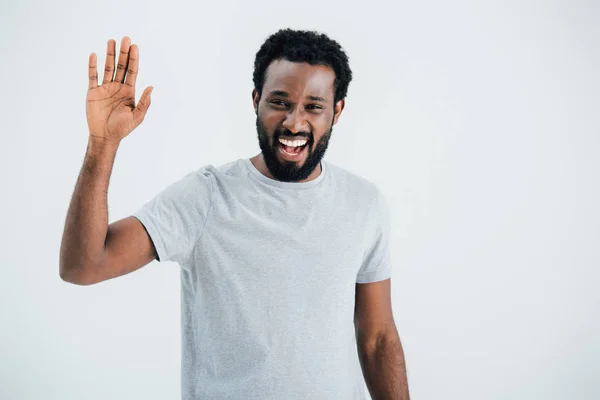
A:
339,106
255,100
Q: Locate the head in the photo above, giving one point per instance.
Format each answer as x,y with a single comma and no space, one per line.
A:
300,84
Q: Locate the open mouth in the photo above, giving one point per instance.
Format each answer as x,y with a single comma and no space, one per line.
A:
292,152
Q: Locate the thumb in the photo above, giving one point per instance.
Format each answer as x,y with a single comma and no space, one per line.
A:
142,107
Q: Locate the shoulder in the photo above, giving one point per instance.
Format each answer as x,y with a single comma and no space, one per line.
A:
211,172
230,169
354,184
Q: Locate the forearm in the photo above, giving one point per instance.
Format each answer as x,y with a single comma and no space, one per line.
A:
86,224
384,369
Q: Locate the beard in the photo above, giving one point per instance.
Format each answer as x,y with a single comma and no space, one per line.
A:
290,171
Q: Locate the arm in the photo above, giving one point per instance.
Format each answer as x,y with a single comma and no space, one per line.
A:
85,232
91,250
379,348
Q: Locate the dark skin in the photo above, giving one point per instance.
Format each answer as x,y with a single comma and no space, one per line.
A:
93,251
297,98
379,348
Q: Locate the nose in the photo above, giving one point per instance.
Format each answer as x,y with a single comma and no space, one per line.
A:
295,121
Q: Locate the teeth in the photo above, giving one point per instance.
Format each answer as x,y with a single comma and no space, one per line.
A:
293,143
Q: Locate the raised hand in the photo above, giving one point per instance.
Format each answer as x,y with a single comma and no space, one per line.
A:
110,108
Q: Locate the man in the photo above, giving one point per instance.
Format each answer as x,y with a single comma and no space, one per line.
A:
285,269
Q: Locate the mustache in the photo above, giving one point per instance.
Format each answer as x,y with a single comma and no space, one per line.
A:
296,136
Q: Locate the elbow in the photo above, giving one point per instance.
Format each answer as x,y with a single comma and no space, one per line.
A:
75,276
72,270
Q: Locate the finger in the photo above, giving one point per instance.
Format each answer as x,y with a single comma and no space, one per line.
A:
132,70
123,59
142,107
109,65
92,72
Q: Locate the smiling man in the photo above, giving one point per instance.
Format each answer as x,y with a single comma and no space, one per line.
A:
285,258
296,110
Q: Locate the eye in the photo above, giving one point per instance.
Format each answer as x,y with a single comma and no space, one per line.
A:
278,103
314,107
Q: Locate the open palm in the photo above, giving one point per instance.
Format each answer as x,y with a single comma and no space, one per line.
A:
110,108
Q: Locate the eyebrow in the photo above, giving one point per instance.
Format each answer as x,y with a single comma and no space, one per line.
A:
286,95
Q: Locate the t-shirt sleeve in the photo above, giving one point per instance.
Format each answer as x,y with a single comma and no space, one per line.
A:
175,218
376,264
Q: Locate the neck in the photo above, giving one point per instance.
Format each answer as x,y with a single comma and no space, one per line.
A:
259,163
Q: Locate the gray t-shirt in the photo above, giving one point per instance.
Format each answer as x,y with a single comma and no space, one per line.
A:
268,275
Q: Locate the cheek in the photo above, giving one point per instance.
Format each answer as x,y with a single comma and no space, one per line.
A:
268,120
324,121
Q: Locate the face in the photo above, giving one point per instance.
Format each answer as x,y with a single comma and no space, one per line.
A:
297,103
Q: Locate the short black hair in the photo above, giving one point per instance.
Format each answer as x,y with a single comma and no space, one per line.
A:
304,46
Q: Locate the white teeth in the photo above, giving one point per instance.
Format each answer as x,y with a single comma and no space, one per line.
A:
293,143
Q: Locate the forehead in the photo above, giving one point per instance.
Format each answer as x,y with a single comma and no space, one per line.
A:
300,79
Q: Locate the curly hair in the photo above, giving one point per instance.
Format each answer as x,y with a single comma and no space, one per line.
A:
303,46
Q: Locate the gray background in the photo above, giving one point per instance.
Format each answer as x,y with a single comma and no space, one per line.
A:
478,120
